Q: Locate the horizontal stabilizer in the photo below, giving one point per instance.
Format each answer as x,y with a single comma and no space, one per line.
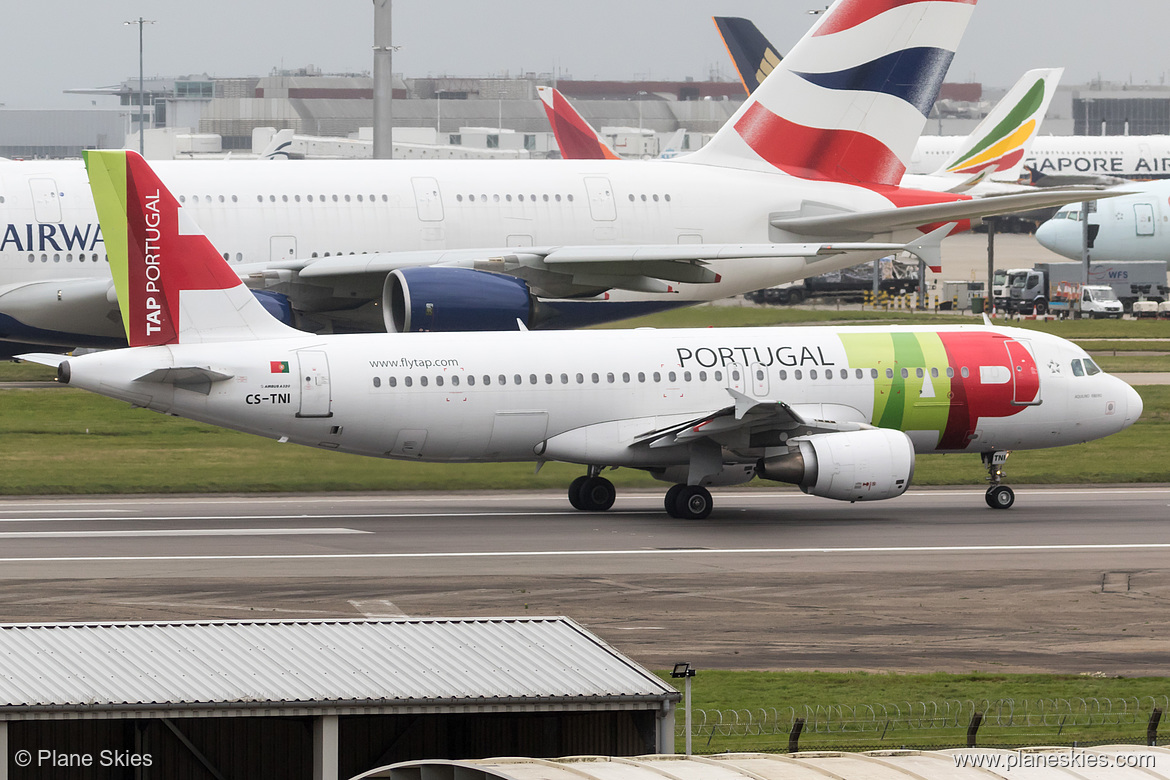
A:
194,378
43,358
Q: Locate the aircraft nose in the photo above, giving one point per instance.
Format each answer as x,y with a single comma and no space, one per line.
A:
1046,234
1133,405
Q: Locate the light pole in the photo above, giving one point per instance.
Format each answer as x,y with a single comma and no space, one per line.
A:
141,90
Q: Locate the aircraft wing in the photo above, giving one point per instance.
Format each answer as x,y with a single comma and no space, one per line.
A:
559,271
868,223
747,420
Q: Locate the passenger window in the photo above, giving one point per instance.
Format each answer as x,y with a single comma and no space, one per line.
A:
393,382
964,372
873,373
812,374
905,374
548,379
564,379
609,378
515,379
760,374
783,375
471,380
672,377
918,373
455,380
626,377
860,374
377,381
641,376
950,373
797,374
702,376
889,373
422,380
687,376
581,379
408,381
438,381
934,373
718,376
657,376
532,379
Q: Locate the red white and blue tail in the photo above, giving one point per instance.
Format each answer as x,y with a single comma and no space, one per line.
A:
849,101
173,286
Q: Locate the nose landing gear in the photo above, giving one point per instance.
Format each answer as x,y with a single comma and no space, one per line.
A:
998,496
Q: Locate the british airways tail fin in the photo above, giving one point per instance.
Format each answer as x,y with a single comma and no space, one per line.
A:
576,139
849,101
753,54
173,286
998,145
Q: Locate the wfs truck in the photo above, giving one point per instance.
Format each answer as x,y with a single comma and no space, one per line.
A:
1111,288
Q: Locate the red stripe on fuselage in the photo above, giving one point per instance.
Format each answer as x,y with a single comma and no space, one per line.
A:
815,153
971,399
851,13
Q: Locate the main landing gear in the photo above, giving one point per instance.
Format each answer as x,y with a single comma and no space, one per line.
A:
688,502
592,493
595,493
998,496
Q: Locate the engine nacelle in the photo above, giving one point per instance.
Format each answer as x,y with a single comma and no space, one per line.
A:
848,466
276,304
453,299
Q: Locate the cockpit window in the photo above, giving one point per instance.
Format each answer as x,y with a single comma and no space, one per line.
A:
1091,367
1078,370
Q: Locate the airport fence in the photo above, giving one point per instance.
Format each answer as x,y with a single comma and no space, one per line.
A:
927,724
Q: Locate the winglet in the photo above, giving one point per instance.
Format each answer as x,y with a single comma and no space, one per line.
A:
173,286
929,247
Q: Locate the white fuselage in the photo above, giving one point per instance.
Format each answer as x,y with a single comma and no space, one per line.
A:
266,211
1131,227
512,396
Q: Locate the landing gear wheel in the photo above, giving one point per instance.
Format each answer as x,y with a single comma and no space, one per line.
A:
693,502
596,494
671,500
1000,497
575,492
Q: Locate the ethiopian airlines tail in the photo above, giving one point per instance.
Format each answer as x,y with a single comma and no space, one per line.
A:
849,101
998,146
173,286
575,137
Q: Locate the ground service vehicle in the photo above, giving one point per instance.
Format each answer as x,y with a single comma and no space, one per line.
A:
1038,289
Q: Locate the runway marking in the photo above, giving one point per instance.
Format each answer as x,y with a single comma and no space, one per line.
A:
602,553
761,495
182,532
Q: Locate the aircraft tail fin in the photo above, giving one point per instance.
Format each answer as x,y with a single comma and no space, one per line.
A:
753,54
674,145
849,101
575,137
1003,139
172,285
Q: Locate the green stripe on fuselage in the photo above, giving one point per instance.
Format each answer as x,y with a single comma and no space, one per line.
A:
898,401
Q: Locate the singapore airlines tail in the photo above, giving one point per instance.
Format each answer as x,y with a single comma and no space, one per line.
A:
849,101
753,54
173,286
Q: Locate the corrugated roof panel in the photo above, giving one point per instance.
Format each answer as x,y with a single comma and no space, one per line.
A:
403,660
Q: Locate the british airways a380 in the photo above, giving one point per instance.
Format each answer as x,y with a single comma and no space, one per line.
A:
841,412
803,179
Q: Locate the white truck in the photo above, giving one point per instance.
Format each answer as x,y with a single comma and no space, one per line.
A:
1057,286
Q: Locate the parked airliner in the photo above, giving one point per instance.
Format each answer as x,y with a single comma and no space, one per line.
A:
803,179
1130,227
841,412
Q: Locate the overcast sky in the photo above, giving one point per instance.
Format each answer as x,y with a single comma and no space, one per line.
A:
52,46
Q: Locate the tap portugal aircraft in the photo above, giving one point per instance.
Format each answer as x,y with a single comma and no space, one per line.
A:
841,412
802,180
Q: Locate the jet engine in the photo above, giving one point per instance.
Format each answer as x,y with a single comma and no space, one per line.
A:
454,299
849,465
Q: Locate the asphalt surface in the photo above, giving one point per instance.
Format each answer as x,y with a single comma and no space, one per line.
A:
1069,580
